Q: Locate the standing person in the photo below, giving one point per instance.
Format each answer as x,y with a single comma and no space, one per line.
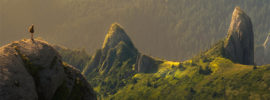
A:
31,30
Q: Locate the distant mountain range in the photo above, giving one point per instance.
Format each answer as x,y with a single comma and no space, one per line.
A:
227,70
169,29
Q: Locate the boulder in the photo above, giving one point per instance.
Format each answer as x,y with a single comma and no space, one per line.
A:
33,70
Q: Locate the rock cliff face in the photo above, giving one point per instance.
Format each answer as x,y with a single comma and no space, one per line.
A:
146,64
35,71
239,45
115,35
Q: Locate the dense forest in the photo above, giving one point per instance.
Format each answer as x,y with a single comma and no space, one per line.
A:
169,29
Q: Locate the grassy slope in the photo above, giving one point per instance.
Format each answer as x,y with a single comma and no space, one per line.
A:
216,79
208,76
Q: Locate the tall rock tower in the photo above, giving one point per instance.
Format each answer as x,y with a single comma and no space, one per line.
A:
239,44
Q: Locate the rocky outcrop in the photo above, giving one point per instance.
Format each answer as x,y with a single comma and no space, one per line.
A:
239,44
146,64
115,35
34,70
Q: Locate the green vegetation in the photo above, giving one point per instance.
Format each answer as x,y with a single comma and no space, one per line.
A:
224,80
210,75
114,72
207,76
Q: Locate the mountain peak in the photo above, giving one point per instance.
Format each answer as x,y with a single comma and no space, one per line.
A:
115,35
239,20
115,27
239,45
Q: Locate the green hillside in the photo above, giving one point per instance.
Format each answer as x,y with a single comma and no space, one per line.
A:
200,79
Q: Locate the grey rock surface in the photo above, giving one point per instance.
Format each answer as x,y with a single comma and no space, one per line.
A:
15,82
146,64
74,87
239,45
33,70
44,64
115,35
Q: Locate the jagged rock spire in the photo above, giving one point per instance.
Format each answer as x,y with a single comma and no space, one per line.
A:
115,35
239,45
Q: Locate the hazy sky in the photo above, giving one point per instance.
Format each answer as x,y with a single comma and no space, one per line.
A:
169,29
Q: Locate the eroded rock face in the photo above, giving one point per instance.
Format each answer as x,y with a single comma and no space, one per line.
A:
146,64
239,45
44,64
115,35
35,70
74,87
15,81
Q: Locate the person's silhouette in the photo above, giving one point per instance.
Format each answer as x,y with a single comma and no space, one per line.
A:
31,30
